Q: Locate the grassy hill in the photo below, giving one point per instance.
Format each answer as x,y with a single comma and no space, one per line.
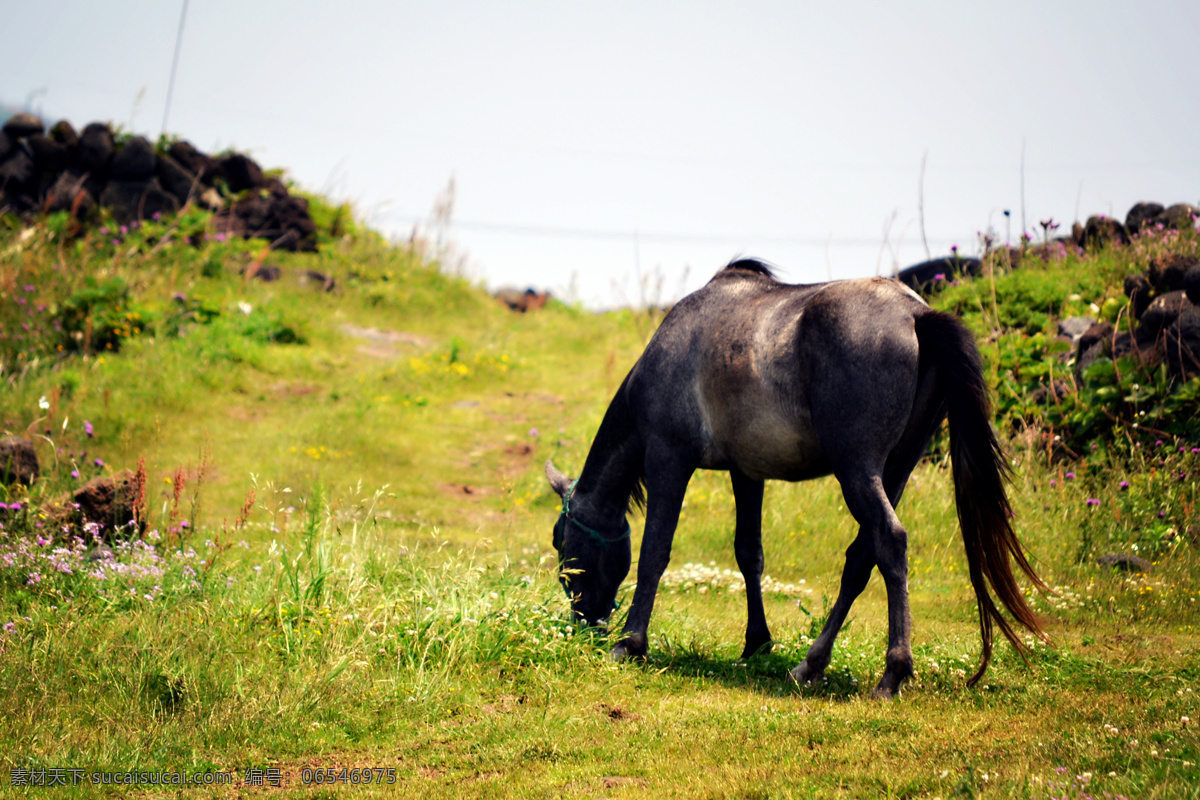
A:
347,561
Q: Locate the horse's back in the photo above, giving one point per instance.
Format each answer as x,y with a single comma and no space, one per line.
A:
735,369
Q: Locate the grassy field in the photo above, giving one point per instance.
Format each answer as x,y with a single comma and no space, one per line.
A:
348,563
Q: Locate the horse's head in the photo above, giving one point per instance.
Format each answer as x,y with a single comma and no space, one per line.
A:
592,560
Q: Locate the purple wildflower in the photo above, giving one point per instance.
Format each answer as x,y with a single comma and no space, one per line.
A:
99,462
1053,482
28,287
941,276
1070,476
74,473
533,431
1091,501
87,428
1124,485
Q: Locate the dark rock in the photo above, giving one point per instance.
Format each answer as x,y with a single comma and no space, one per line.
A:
95,153
1140,214
1191,285
176,180
1094,343
203,166
16,172
1077,234
1181,342
1161,313
241,172
1180,216
254,212
64,133
275,187
1124,562
292,213
7,143
1099,231
68,194
318,279
48,155
137,200
107,501
19,125
1075,327
267,273
284,222
924,276
18,461
1168,272
1138,290
134,162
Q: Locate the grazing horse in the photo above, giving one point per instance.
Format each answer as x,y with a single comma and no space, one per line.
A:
769,380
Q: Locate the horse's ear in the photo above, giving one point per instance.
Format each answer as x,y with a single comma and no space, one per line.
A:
558,481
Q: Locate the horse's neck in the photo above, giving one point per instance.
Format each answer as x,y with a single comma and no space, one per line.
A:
614,464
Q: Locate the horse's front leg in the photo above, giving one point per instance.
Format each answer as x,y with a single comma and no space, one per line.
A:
747,547
666,484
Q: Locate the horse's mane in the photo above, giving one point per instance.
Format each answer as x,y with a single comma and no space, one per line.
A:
750,265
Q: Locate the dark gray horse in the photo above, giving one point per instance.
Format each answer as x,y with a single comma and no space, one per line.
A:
768,380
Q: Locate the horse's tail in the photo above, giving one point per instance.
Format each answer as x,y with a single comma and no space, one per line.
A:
980,471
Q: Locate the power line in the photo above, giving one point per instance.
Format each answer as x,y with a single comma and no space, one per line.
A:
644,236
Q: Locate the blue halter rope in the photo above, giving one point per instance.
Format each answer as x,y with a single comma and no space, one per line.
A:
595,535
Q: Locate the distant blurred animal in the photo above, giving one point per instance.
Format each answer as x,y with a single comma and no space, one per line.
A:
517,300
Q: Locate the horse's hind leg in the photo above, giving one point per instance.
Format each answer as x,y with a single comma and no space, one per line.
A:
747,546
860,559
869,503
881,539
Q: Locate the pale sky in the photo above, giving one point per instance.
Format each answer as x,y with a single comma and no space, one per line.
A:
593,142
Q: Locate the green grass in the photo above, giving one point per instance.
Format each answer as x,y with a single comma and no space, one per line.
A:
390,600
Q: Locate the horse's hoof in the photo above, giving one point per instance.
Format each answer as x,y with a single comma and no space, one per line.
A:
757,649
803,674
627,648
888,688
